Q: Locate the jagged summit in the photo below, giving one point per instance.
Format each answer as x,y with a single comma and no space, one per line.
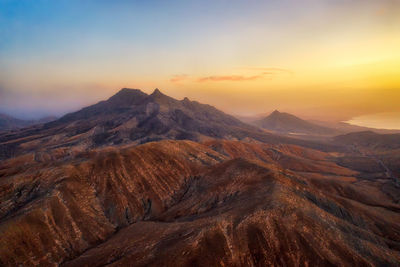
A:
162,99
157,92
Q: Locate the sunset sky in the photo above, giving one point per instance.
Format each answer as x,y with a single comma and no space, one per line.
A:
333,59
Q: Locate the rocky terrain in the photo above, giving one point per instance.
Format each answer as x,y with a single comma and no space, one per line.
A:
147,180
371,140
382,149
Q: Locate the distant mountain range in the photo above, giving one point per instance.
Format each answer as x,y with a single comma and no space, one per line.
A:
290,125
9,123
132,116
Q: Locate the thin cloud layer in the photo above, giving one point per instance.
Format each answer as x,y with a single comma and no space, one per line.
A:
266,73
234,78
270,70
179,77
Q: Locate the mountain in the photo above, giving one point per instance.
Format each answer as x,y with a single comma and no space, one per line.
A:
131,116
9,123
182,203
286,123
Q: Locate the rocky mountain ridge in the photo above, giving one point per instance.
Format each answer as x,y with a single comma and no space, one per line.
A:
133,117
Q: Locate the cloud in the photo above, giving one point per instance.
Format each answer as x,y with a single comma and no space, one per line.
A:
270,70
235,78
179,77
266,73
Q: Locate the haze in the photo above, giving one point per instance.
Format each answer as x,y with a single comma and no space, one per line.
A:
330,60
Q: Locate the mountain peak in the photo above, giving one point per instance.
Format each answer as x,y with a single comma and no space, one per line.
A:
161,98
127,96
129,91
157,92
275,112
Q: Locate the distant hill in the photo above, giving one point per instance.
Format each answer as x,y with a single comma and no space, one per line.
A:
286,123
9,123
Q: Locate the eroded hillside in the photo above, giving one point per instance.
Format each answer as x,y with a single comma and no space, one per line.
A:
181,202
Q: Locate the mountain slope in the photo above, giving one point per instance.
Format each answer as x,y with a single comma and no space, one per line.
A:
286,123
373,152
183,203
370,140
